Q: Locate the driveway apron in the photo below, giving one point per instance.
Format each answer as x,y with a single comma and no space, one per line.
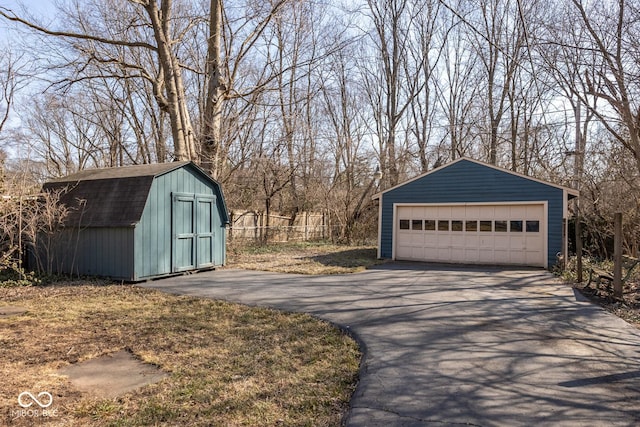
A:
453,345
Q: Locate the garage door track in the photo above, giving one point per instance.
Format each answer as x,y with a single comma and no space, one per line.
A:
449,345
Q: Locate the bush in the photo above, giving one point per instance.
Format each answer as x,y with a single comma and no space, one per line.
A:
11,272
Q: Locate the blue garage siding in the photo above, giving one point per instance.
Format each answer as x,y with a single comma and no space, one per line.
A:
466,181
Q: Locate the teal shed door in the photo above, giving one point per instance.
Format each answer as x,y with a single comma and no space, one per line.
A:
194,219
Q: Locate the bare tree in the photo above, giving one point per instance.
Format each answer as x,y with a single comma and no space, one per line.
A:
350,180
226,53
421,69
457,88
8,85
500,39
613,29
91,46
385,79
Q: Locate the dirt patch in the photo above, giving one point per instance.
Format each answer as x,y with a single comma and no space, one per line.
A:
303,258
112,375
11,310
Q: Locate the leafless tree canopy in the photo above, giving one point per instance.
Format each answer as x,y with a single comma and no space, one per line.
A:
292,104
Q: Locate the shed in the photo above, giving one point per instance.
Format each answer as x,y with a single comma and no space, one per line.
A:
139,222
474,213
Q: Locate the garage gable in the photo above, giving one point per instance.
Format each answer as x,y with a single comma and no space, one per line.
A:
465,191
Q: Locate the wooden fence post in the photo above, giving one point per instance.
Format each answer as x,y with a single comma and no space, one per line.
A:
617,255
578,229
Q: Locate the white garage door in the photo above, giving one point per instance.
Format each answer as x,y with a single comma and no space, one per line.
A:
472,233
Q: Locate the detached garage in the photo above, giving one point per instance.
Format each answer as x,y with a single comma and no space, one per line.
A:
138,222
474,213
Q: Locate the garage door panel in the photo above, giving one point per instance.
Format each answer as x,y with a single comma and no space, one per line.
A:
404,253
488,234
486,257
444,240
501,212
518,257
486,212
534,212
444,212
444,254
472,212
458,253
472,240
430,212
416,239
430,253
458,212
458,240
501,256
532,258
516,242
501,243
416,212
517,212
486,242
472,255
417,253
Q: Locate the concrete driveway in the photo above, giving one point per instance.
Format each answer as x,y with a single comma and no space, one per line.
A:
449,345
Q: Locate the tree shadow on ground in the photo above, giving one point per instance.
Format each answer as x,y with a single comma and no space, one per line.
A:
350,258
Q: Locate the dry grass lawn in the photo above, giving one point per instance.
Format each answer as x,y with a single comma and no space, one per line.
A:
228,365
303,258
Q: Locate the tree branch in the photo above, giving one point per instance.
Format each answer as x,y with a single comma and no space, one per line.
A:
9,15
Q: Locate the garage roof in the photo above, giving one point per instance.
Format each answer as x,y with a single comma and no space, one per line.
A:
571,193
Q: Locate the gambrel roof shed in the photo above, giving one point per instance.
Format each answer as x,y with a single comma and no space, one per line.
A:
475,213
142,221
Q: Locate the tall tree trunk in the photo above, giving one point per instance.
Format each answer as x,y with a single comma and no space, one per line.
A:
171,78
212,125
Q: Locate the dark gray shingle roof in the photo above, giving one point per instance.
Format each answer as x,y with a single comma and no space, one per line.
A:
133,171
109,197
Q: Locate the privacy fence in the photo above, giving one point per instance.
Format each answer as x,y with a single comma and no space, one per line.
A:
251,226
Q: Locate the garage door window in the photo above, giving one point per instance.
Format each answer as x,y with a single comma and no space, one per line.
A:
533,226
458,225
499,226
486,226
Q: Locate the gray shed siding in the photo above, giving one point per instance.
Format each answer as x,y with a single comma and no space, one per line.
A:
470,182
106,252
153,234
